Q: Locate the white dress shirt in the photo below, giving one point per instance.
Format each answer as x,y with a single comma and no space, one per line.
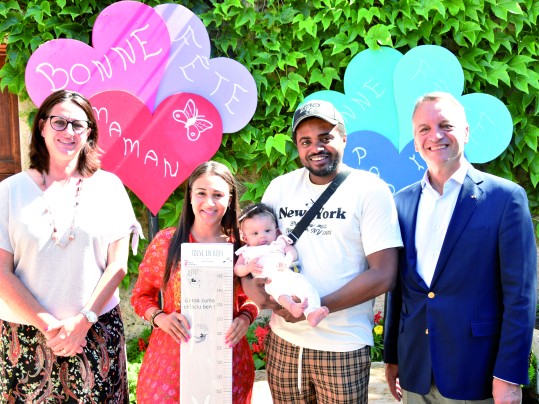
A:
433,215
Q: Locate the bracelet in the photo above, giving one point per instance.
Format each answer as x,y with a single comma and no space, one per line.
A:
153,316
248,315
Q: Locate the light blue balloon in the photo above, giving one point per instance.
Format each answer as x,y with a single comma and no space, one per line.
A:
372,152
368,85
491,127
339,100
368,102
381,89
422,70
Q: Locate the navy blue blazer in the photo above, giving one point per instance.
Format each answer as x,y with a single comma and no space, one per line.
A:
476,320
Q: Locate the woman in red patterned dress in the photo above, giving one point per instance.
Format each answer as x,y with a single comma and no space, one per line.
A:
209,215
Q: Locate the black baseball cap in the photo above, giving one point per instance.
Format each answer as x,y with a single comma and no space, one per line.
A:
319,109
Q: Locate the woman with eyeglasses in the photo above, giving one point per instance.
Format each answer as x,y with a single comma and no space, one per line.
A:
65,227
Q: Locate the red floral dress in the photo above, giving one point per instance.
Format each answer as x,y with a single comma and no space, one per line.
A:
158,380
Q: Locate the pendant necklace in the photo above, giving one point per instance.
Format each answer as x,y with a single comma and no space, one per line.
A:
48,210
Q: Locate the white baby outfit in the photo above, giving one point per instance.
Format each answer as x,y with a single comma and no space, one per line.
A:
283,281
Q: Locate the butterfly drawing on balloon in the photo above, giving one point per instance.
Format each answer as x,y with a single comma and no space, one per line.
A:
194,123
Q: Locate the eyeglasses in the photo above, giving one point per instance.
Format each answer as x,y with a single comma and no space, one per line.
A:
59,123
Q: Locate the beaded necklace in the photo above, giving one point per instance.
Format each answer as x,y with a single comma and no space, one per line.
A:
48,210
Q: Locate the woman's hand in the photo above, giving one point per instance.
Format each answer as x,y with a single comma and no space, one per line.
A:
68,337
175,325
237,330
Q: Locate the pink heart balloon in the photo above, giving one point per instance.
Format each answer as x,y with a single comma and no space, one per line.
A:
131,45
154,153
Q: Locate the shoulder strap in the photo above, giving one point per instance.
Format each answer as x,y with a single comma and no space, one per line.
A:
317,205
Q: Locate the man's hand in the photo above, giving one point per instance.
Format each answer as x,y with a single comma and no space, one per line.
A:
288,317
506,393
392,378
254,288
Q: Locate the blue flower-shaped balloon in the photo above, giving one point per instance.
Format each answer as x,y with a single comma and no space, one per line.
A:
380,91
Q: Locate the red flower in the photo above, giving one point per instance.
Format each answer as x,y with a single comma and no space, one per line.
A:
256,336
258,348
261,332
142,345
377,317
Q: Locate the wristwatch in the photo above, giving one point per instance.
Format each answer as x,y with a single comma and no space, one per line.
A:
90,315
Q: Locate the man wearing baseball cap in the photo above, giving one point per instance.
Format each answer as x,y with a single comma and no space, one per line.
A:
348,252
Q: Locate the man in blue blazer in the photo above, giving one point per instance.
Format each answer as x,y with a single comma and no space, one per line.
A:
460,321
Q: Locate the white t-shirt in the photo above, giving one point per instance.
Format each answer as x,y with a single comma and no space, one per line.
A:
359,219
62,279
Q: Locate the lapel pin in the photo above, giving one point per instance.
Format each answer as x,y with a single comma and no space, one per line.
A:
474,196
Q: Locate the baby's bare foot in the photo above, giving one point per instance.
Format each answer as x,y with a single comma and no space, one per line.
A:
317,315
297,309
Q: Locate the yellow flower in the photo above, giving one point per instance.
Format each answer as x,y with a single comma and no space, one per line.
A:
379,329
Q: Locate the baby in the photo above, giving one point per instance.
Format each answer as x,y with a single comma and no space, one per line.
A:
270,256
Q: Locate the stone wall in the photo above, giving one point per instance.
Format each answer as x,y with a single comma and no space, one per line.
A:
133,324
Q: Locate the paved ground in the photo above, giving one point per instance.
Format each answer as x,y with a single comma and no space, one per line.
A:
378,391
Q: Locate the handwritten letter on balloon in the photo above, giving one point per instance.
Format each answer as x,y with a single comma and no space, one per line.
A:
154,153
161,102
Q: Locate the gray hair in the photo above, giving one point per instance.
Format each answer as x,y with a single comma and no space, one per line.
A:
439,95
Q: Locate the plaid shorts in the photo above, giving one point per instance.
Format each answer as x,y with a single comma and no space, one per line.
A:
326,377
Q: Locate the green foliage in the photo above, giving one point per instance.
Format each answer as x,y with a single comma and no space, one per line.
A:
529,392
294,48
532,371
133,370
135,350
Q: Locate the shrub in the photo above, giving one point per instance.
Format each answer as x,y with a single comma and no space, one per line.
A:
377,350
256,336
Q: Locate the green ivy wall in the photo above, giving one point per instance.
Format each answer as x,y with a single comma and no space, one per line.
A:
294,48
